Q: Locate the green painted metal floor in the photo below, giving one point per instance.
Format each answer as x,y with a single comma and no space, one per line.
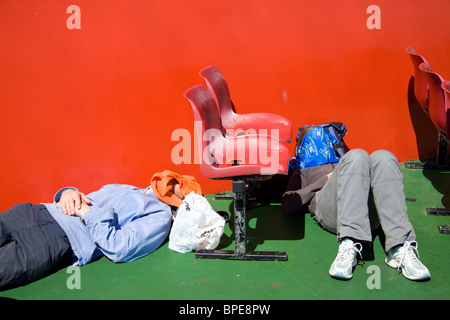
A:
168,275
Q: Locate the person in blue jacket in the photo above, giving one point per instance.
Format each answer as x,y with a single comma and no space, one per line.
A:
121,222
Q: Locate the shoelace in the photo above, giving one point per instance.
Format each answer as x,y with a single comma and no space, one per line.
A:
410,252
356,247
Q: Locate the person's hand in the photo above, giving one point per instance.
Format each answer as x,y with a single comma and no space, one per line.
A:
329,175
71,201
84,208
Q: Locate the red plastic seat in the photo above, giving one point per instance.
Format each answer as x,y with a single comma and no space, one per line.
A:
238,158
446,87
438,109
420,81
218,86
437,99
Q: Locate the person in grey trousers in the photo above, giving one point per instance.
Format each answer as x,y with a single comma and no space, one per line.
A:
352,198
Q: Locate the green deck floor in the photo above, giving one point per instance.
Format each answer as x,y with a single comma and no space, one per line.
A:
169,275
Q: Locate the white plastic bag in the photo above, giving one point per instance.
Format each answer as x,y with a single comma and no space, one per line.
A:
196,226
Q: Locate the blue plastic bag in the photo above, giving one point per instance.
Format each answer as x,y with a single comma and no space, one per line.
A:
317,148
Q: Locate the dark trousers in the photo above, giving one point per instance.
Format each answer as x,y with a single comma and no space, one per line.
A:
32,244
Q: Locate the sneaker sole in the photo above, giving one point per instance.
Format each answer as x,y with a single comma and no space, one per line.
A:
394,264
341,275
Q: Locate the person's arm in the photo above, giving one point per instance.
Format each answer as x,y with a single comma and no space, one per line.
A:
296,198
133,240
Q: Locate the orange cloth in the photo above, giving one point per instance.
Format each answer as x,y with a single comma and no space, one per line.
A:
161,184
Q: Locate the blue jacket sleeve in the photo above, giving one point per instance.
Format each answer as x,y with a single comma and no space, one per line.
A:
131,241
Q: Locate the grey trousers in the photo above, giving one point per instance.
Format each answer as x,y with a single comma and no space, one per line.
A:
362,193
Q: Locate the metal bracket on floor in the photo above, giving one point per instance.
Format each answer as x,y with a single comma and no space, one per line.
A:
250,255
240,236
426,165
438,212
224,196
441,158
444,229
419,165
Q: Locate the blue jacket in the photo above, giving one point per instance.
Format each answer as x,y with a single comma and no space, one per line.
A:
124,224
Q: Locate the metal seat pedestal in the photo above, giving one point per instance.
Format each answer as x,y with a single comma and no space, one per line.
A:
241,253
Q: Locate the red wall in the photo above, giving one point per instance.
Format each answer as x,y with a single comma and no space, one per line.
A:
98,105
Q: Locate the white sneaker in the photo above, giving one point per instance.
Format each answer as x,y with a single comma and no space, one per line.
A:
346,259
405,257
